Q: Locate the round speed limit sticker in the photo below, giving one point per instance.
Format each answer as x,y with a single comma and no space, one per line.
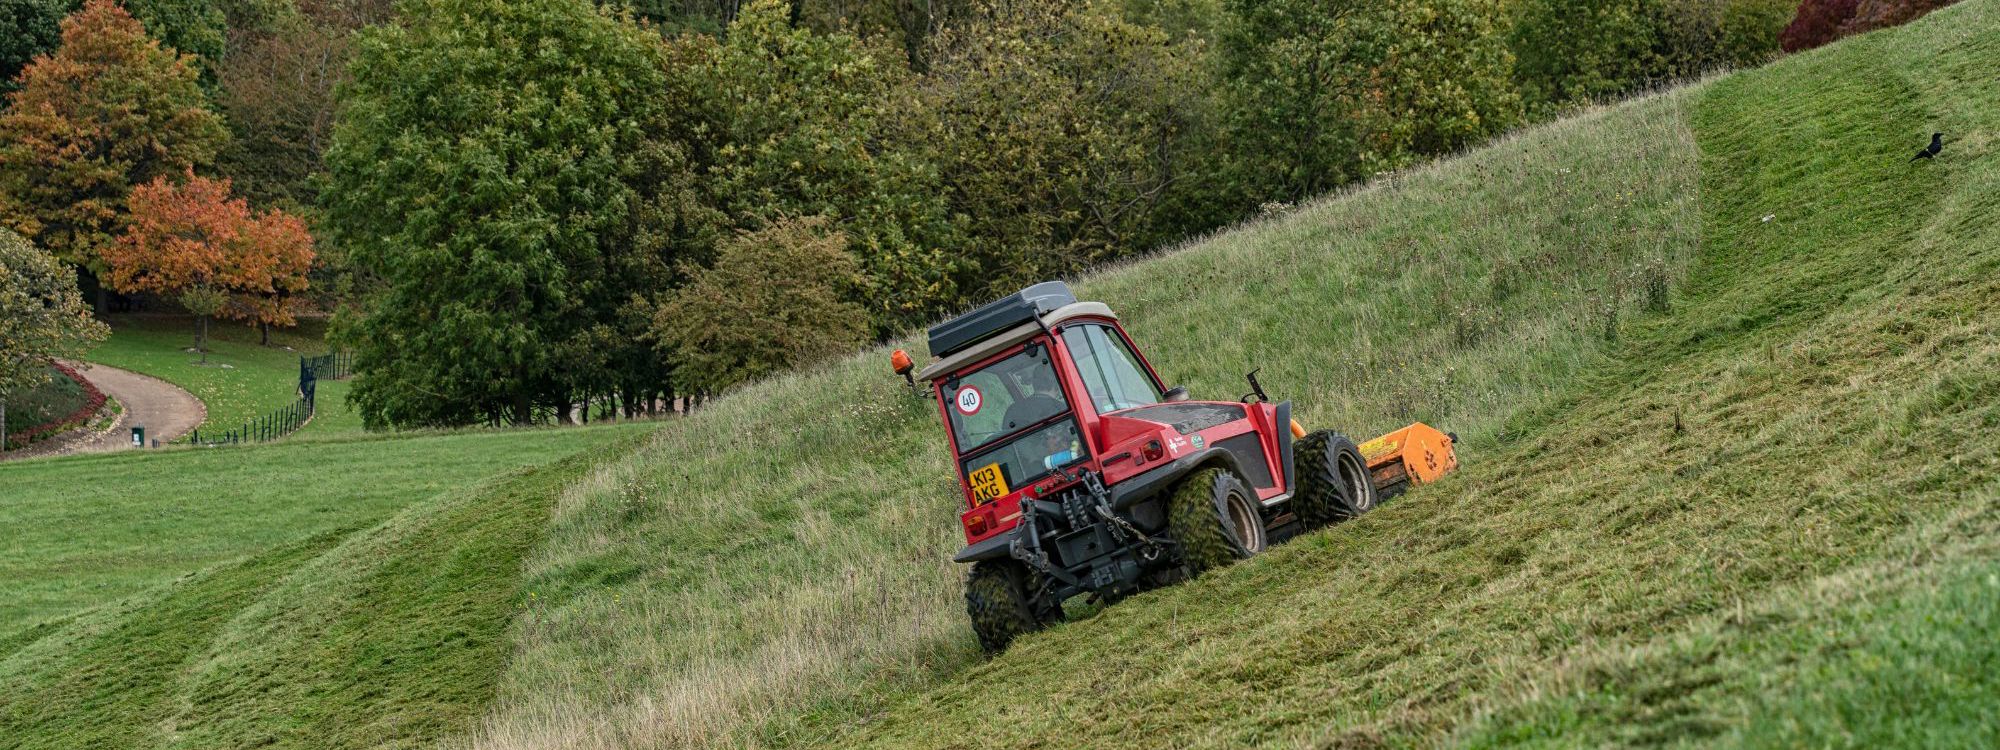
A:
968,400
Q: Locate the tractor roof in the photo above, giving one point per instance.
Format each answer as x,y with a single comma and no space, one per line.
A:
1000,315
986,347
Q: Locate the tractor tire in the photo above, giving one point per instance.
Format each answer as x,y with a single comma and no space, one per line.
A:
1215,519
1334,484
996,596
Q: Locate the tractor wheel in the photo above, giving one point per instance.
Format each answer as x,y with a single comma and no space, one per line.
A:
1215,519
1333,480
996,596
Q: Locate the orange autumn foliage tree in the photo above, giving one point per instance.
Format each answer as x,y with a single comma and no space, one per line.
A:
109,109
210,252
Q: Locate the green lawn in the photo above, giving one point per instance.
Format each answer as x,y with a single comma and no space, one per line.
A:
369,635
88,530
332,416
242,379
1805,561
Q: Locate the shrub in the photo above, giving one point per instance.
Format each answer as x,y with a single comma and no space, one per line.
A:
775,299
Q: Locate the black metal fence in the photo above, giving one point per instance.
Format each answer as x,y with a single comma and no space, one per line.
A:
271,426
334,366
284,421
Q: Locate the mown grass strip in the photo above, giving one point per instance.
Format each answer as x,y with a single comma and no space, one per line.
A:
112,681
394,639
87,530
383,637
778,566
1827,387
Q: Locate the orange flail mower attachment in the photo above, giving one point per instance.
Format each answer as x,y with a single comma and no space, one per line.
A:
1411,456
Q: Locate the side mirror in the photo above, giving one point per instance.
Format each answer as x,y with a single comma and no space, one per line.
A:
1175,394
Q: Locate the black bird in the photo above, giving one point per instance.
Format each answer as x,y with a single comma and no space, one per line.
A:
1937,144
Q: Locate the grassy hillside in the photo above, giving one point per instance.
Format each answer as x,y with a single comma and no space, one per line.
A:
773,572
1726,367
779,563
1768,521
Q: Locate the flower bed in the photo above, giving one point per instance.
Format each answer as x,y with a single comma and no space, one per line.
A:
93,400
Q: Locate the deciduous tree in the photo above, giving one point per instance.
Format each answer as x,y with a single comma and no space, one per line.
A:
109,110
193,242
41,318
1065,136
1326,93
799,123
775,299
496,167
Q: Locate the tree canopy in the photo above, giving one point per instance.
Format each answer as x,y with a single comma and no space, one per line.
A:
194,243
487,169
110,109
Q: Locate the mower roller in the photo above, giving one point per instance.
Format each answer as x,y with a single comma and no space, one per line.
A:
1084,474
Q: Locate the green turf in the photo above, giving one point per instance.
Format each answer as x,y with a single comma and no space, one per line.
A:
87,530
242,380
780,563
1601,581
389,636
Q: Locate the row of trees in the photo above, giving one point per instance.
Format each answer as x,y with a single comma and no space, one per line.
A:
531,205
544,203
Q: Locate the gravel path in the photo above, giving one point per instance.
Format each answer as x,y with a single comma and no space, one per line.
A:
164,409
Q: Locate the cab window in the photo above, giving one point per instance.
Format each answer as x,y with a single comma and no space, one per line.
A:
1111,374
1003,398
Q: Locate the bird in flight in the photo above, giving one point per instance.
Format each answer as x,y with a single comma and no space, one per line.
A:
1927,152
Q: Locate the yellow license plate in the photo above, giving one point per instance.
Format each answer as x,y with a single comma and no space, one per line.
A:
988,484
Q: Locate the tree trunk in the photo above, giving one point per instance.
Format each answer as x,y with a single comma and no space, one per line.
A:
523,408
263,333
201,339
3,427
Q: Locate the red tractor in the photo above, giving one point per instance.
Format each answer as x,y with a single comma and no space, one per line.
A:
1084,474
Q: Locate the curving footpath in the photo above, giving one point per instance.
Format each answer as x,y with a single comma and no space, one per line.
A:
164,409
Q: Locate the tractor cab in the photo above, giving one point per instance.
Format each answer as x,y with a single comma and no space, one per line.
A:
1083,473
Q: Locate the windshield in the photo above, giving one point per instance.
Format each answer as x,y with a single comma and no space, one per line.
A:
1114,377
1007,396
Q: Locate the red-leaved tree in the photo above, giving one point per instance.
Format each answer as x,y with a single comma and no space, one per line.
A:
1821,21
1870,15
210,252
1817,23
